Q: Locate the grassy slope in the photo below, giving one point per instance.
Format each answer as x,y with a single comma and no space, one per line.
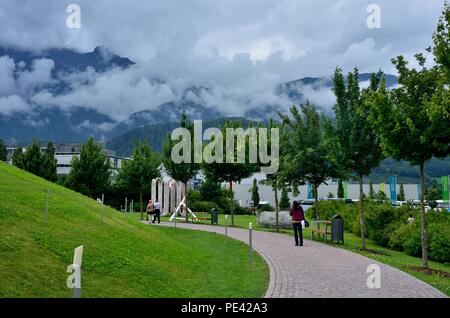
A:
122,258
396,259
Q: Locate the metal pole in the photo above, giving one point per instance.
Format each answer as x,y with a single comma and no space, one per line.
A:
46,208
126,204
250,243
226,224
103,202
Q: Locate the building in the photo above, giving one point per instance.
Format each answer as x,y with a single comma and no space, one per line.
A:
64,154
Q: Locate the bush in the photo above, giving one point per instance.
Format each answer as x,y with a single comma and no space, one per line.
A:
266,207
203,206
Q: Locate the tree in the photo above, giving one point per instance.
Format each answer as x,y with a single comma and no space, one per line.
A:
18,158
224,171
3,152
432,196
32,159
357,146
187,169
401,194
307,157
255,194
401,117
340,190
90,173
284,201
137,174
49,164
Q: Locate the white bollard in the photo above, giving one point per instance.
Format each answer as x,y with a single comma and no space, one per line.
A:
250,228
226,224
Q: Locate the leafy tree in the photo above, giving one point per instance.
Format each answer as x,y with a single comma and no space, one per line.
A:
49,164
18,158
438,109
340,190
186,169
90,173
3,152
137,174
432,196
401,117
284,201
308,157
231,172
32,158
255,194
357,147
401,194
330,195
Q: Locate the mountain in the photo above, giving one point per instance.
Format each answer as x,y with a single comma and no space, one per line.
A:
156,134
77,123
74,124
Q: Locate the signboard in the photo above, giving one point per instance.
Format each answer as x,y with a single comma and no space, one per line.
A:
445,190
309,190
393,188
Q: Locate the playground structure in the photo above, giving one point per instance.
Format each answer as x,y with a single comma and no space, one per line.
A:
169,193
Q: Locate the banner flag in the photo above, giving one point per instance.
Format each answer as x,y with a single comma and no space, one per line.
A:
382,186
393,188
445,190
309,190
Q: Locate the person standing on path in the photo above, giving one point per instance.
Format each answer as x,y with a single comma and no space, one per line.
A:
157,212
150,208
297,216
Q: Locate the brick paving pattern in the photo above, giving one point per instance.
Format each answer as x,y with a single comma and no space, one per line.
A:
320,270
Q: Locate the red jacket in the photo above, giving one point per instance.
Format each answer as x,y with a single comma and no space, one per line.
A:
297,215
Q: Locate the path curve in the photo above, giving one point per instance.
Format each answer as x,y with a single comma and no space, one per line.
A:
320,270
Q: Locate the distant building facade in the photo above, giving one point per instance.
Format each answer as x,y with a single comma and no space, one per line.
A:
64,154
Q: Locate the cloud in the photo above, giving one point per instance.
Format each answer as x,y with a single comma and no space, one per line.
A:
12,104
236,51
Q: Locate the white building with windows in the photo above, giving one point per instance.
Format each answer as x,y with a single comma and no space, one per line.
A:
64,154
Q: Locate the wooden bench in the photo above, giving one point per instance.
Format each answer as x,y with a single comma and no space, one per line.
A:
321,231
201,216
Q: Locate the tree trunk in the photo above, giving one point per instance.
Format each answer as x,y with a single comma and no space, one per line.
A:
361,214
142,212
316,201
424,219
276,209
185,202
232,203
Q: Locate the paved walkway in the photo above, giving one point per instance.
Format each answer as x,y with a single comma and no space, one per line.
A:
320,270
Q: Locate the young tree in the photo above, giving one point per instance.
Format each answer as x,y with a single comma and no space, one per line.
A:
184,170
340,190
49,164
32,159
308,157
284,201
255,194
3,152
407,131
18,158
357,143
401,194
90,173
137,174
230,172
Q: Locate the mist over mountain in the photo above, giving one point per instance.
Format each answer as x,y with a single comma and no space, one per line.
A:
67,96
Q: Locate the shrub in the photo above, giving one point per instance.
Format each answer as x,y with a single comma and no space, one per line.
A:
202,206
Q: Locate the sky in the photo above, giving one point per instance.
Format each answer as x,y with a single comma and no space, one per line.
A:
240,49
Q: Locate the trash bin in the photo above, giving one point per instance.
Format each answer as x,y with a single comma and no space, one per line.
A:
337,229
214,216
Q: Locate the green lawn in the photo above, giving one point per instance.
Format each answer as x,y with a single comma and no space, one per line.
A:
122,257
396,259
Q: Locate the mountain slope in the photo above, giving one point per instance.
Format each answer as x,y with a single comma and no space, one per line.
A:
122,257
